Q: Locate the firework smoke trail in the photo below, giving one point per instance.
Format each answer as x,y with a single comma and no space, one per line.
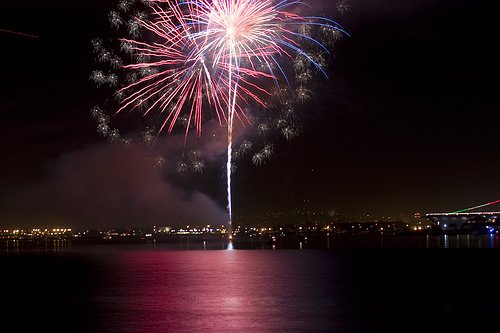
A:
217,49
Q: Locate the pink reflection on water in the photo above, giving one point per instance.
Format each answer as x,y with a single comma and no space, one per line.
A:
195,291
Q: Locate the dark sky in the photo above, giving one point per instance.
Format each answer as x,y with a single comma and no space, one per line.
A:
407,122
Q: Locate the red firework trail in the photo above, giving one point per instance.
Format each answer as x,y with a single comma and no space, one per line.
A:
18,33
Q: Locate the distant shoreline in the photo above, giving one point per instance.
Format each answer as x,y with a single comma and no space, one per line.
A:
267,241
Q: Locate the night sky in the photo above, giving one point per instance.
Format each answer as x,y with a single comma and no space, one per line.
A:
406,123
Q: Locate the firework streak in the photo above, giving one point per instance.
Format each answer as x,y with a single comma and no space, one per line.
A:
18,33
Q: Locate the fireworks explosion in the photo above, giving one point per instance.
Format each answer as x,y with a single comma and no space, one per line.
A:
185,59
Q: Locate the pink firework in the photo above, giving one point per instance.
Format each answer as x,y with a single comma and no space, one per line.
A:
214,51
177,75
215,54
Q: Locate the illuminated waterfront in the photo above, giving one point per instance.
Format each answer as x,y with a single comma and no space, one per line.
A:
259,242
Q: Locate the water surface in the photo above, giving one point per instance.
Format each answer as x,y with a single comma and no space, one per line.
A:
149,289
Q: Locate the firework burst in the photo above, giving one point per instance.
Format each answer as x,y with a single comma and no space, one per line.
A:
192,56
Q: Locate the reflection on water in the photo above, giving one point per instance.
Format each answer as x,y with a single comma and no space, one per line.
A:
152,288
325,241
218,291
463,241
296,291
38,246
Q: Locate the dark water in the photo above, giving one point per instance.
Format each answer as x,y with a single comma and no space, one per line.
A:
153,289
